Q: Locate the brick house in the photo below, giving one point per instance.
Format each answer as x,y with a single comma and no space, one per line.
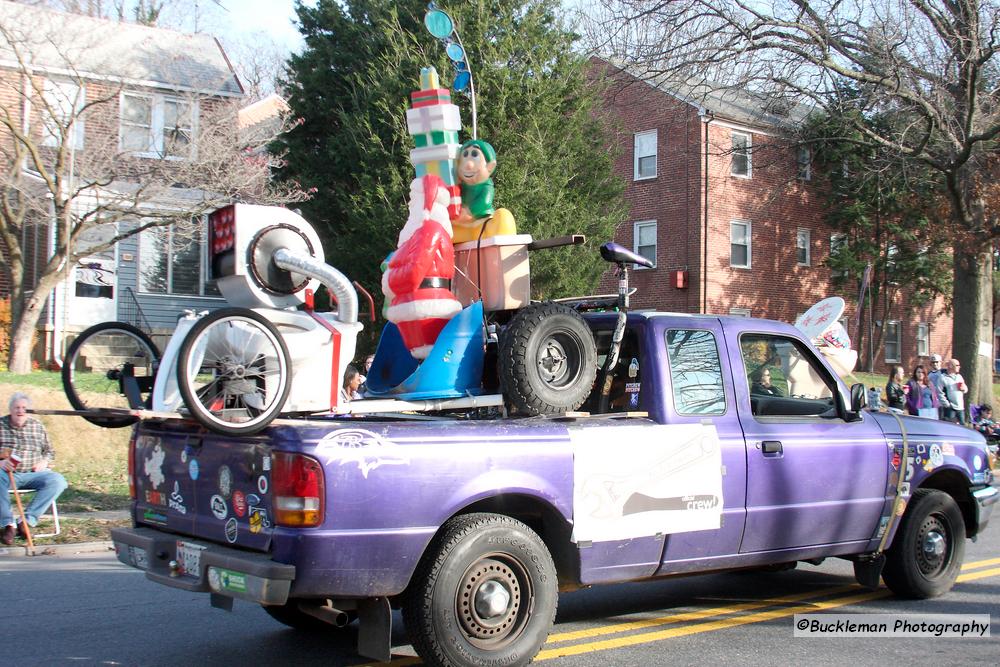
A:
732,214
150,88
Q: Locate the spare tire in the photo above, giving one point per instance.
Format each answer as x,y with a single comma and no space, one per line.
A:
547,360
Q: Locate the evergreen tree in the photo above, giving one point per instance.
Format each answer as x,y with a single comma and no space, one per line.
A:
350,87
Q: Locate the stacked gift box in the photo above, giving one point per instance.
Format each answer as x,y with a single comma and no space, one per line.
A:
434,123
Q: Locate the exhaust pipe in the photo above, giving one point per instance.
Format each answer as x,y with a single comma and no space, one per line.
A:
326,613
334,280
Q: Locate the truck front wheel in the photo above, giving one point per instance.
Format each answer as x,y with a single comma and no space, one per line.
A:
927,551
485,593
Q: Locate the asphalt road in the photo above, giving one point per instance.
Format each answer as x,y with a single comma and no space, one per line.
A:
89,610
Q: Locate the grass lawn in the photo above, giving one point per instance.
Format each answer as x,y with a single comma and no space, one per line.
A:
94,460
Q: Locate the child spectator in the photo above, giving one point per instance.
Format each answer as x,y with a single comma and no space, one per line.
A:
985,424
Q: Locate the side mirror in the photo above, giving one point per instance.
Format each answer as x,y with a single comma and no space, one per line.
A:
859,399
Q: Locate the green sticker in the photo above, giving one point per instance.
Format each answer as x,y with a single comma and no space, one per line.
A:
232,581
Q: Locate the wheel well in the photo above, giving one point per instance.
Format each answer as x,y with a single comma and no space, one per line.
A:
545,521
956,485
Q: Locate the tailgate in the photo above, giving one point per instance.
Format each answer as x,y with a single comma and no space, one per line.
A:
203,485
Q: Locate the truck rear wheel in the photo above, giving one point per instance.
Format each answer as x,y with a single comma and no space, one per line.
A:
484,593
547,359
928,549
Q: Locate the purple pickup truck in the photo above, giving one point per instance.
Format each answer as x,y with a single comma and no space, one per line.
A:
472,523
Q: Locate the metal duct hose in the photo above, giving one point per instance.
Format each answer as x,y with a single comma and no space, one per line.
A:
335,281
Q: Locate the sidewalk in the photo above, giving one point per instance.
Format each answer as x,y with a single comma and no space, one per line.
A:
45,549
57,549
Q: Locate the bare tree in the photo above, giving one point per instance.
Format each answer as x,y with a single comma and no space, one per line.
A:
929,64
260,63
185,15
94,195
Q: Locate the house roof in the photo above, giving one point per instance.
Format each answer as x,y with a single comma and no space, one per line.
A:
95,48
736,104
725,102
271,108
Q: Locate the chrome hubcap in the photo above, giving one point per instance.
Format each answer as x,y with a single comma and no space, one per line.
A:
934,545
492,600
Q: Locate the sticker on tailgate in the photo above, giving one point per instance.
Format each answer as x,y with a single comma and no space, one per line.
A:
227,580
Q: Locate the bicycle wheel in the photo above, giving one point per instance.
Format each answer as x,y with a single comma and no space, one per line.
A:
233,371
96,368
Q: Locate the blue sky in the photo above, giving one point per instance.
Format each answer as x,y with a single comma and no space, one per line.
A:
273,17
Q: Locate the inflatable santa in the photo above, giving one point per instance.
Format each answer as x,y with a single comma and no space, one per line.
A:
417,282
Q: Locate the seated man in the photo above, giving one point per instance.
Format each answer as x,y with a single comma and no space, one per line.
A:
23,439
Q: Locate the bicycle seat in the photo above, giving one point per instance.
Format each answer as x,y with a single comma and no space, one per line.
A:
612,252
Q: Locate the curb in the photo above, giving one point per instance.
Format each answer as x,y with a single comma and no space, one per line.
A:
59,549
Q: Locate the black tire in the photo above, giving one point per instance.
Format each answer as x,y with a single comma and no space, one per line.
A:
478,560
289,614
93,368
547,360
927,551
229,356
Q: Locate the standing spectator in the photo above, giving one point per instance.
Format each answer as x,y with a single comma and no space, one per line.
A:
366,369
352,382
895,395
922,398
24,438
953,385
935,377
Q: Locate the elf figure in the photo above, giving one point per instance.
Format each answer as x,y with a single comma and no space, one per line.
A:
417,282
478,219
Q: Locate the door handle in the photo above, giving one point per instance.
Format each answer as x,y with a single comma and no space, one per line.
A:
771,446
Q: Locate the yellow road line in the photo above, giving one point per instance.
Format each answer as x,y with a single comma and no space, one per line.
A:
981,563
698,614
711,626
683,631
982,574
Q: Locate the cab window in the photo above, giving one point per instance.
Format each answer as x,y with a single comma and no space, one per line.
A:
626,385
695,372
784,378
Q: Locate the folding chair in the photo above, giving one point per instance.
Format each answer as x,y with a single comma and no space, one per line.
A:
53,510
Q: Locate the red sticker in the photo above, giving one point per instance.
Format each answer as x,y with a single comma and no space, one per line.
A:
239,503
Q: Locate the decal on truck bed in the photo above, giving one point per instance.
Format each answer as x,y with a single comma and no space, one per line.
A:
357,445
636,481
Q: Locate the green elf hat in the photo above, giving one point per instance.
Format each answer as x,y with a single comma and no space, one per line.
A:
488,151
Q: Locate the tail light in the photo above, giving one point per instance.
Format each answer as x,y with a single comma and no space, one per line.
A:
131,463
297,490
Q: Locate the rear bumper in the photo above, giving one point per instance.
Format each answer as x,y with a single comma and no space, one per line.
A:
986,498
221,570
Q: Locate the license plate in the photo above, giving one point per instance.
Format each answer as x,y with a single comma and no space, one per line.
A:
189,558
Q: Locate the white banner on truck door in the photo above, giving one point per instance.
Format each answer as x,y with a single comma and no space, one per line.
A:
640,480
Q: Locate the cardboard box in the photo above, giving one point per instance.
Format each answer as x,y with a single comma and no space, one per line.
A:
502,263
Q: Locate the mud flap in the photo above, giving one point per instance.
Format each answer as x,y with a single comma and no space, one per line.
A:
375,633
223,602
868,570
